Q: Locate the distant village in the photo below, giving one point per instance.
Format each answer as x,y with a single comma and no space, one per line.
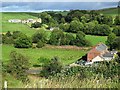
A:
25,20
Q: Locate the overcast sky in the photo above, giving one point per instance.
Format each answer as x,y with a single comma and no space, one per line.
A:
41,6
59,0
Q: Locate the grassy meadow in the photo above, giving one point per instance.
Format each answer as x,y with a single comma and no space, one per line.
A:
67,56
109,11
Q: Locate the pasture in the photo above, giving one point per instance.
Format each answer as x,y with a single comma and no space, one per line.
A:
109,11
67,56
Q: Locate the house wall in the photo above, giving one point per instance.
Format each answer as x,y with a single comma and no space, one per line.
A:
92,54
97,58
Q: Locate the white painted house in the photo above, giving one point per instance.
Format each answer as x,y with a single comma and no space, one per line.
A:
14,20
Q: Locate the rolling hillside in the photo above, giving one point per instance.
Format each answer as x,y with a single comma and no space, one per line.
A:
109,11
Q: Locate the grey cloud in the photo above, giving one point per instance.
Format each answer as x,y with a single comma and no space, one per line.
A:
36,6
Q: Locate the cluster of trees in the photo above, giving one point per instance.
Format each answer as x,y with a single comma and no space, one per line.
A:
113,41
92,27
40,38
59,38
90,22
17,38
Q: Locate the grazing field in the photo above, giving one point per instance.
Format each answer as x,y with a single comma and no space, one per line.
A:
16,15
96,39
109,11
67,56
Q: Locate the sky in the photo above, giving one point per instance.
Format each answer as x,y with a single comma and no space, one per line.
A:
59,0
53,6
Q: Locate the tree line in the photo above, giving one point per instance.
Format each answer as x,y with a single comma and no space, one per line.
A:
90,22
40,38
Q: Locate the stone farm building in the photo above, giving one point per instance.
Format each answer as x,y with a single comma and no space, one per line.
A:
100,53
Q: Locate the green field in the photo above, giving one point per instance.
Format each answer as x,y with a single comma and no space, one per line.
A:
109,11
66,56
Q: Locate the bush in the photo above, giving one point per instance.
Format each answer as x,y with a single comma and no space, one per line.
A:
7,40
18,66
17,34
8,34
116,44
56,37
110,39
116,30
39,36
81,40
52,68
36,25
40,44
23,42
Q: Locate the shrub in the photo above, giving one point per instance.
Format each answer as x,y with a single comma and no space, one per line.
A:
81,40
17,34
7,40
116,30
40,44
18,66
36,25
51,68
23,42
56,37
40,35
116,44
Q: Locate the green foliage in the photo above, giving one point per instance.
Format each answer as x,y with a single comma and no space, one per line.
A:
23,42
116,44
76,26
74,13
8,34
102,30
88,29
80,39
17,34
18,66
102,19
40,44
0,38
107,69
53,67
116,30
39,35
117,20
43,61
56,37
64,27
63,20
68,39
7,38
110,39
36,25
45,17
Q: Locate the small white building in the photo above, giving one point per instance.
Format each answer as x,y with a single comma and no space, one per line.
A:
14,20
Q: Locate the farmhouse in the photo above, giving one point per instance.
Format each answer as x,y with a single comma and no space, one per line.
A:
14,20
25,21
100,53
